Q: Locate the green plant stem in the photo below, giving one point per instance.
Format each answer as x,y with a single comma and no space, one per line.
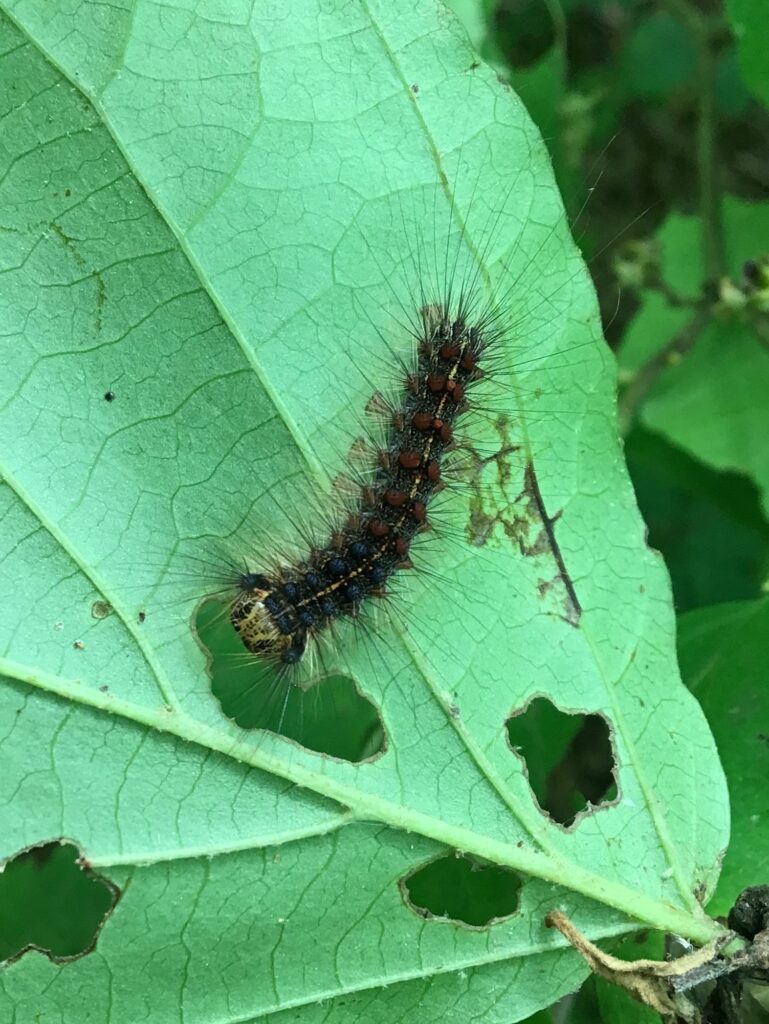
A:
710,196
560,30
713,250
703,35
676,348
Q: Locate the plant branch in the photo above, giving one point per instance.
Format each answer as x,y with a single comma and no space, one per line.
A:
675,349
705,39
560,31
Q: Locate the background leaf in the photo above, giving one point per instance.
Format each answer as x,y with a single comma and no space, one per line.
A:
709,525
750,21
712,402
723,652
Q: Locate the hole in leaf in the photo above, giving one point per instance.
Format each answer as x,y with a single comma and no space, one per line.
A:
330,717
50,901
463,890
568,757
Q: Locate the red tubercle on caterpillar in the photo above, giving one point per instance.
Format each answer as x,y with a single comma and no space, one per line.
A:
419,511
377,528
401,547
410,459
423,422
395,498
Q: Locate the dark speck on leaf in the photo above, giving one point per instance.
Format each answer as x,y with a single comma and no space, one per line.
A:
100,609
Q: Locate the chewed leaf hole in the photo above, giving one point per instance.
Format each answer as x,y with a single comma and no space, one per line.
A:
52,902
331,717
463,890
569,759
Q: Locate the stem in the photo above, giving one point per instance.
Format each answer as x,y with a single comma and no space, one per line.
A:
672,297
704,37
710,197
560,30
676,348
713,251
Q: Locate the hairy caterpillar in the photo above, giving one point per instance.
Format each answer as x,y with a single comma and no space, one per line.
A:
277,614
448,308
447,343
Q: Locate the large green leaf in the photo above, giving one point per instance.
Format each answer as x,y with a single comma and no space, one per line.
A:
724,656
712,402
708,525
750,21
211,213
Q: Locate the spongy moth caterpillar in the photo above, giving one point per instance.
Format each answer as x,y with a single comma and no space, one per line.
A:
286,605
277,614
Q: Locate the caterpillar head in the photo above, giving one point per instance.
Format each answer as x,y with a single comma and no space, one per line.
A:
257,620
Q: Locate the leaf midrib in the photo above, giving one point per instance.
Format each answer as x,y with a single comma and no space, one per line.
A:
366,806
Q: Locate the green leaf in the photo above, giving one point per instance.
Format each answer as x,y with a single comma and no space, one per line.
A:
653,326
713,402
540,84
724,653
199,208
541,87
474,15
659,58
713,405
750,22
707,525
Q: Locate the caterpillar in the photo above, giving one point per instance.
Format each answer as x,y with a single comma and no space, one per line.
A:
453,334
277,614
